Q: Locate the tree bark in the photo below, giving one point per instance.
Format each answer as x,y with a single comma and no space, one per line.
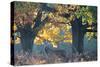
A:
77,36
28,34
27,38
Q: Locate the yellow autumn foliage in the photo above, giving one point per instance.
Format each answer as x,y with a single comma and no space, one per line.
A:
68,37
54,45
47,34
52,35
38,41
17,40
68,41
89,35
14,27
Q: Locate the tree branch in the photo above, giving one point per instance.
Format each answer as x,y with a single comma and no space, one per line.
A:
91,30
39,27
87,25
38,19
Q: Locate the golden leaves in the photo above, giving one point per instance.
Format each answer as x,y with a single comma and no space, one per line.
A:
47,34
38,41
17,40
54,44
68,37
89,35
14,27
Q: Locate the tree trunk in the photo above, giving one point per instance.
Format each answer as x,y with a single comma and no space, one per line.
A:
27,40
28,34
77,36
27,44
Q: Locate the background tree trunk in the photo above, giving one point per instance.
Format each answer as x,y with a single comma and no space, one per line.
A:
77,36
